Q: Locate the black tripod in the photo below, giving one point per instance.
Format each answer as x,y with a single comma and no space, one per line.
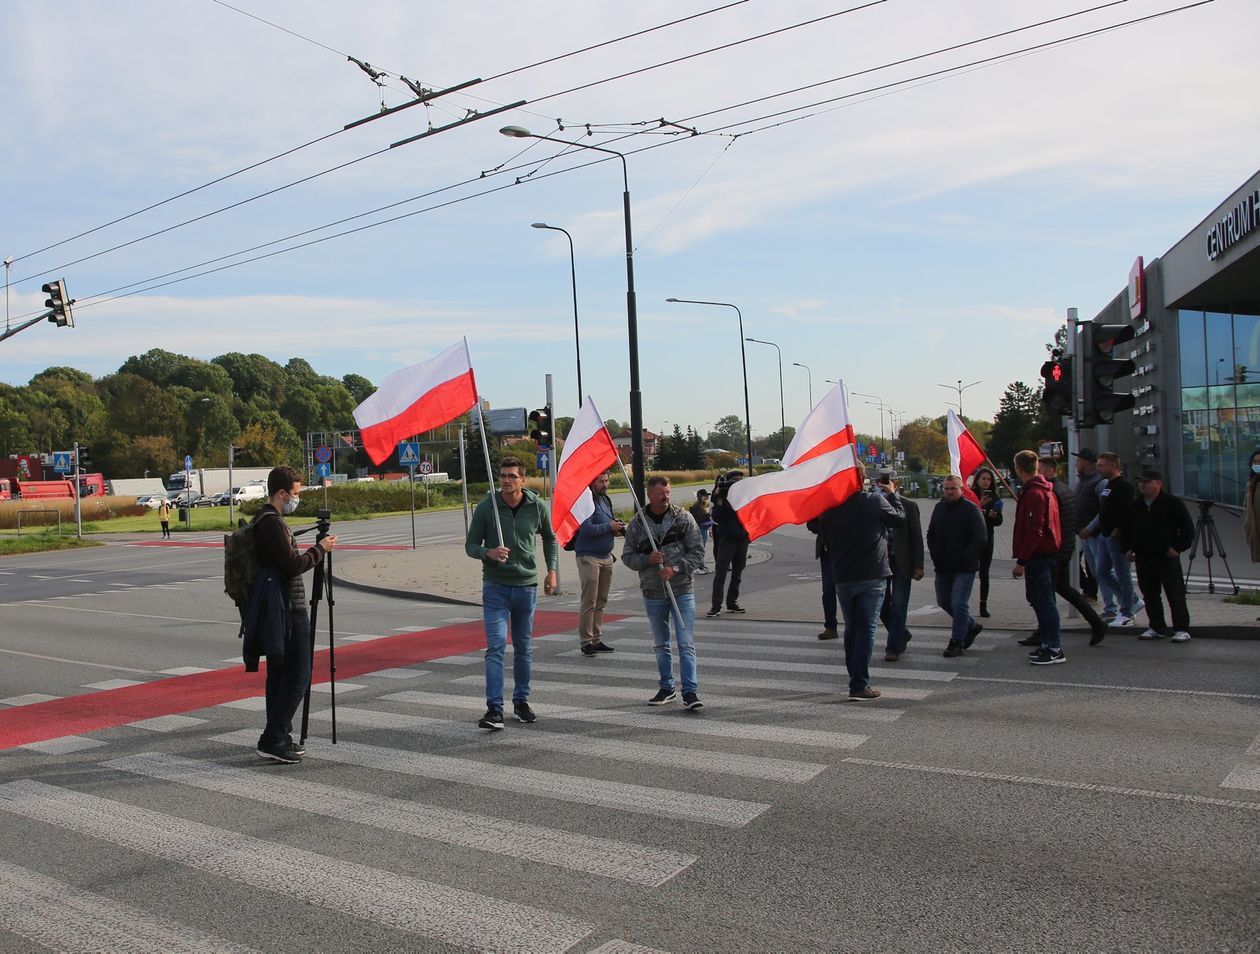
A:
322,588
1205,534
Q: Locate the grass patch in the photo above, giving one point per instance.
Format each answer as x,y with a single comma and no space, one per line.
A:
42,542
1246,598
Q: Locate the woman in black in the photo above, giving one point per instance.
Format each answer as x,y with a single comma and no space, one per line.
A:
984,486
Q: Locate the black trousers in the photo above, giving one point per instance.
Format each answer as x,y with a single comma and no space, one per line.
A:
1063,587
287,682
986,561
729,556
1163,573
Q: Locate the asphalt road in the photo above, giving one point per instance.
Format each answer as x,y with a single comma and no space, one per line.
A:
982,804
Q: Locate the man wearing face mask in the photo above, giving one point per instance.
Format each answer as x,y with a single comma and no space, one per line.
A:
288,676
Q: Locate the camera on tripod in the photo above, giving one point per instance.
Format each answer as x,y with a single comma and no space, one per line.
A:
323,523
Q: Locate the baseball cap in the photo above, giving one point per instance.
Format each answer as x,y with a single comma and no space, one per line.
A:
1151,475
1086,453
702,493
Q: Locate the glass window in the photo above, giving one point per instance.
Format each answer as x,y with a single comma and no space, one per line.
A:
1193,357
1219,333
1247,348
1196,437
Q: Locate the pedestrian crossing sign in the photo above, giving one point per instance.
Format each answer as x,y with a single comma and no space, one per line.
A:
61,462
408,453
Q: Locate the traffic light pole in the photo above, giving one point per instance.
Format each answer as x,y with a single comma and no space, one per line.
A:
551,461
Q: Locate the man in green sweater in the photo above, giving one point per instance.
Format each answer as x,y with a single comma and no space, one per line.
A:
509,583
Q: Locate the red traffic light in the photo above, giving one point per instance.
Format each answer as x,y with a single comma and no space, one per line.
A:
1056,372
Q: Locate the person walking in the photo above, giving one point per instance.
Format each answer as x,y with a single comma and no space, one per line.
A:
702,512
1035,547
1158,531
956,537
856,533
593,547
663,545
1048,467
1087,502
985,486
509,583
905,554
1114,496
730,548
164,518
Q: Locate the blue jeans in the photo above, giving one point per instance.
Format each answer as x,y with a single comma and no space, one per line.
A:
287,682
1124,577
499,604
896,605
953,594
860,601
1100,565
659,612
1039,575
828,592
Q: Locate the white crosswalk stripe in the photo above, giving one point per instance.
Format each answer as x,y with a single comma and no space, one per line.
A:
61,917
425,908
605,857
641,799
805,637
711,650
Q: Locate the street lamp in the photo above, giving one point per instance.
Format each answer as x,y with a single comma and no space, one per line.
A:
959,388
632,316
878,400
577,344
782,416
743,360
797,364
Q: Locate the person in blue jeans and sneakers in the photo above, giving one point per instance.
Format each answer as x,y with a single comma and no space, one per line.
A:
956,538
663,545
509,583
1038,535
856,534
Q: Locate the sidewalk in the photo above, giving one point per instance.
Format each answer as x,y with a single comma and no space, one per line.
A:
443,573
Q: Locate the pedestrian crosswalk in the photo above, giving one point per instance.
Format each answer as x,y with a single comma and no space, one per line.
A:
602,791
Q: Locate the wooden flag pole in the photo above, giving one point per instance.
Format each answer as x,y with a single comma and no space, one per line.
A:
485,449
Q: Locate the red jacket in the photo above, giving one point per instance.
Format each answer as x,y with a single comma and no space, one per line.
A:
1037,527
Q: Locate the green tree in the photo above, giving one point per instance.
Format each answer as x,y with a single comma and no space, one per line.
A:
254,376
1016,423
693,456
729,434
360,388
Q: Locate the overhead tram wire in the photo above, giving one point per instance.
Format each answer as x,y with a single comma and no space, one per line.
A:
100,298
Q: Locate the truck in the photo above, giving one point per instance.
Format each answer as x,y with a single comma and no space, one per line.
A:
136,486
15,488
214,480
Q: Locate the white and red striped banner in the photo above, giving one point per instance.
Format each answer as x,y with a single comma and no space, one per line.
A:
825,428
417,399
965,453
588,452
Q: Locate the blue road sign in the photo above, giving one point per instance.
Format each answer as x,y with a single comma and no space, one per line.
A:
408,453
544,462
861,449
61,462
188,462
323,454
323,470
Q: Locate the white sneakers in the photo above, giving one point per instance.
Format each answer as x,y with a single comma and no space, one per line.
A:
1181,636
1121,620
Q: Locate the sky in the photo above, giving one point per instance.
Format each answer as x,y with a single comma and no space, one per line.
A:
914,230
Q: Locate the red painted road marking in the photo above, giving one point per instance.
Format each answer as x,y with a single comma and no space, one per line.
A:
218,545
75,715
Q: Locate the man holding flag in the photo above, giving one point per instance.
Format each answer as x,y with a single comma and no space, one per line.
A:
593,546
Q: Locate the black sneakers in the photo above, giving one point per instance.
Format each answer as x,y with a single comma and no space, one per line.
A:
523,712
955,648
493,719
692,701
1047,657
1032,639
735,608
279,753
588,649
714,611
972,634
663,696
863,695
603,647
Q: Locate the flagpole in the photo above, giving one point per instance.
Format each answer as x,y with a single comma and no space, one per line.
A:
638,513
485,449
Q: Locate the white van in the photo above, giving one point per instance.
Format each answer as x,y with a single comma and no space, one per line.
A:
254,490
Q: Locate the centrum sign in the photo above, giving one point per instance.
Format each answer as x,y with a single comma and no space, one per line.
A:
1233,226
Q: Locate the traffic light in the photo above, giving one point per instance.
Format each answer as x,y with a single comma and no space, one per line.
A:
1101,371
85,458
61,315
1056,393
540,420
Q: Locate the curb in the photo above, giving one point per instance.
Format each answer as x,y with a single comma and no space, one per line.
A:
404,594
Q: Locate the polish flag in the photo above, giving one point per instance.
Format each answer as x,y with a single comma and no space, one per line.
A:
417,399
588,452
824,473
965,453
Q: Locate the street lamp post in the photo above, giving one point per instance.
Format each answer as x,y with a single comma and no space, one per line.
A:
959,387
743,360
638,471
878,401
577,344
797,364
782,415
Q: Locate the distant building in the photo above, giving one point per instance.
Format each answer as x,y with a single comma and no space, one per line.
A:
622,440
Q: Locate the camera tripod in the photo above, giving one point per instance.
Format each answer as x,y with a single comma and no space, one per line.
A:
321,589
1205,535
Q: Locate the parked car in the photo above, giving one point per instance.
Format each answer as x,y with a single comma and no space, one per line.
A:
201,500
152,501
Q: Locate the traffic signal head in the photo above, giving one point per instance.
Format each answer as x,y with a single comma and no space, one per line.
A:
61,314
540,420
1056,391
1101,371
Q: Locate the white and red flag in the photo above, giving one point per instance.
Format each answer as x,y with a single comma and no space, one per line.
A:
824,472
588,452
417,399
965,453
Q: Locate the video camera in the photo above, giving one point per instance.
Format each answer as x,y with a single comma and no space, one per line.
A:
723,484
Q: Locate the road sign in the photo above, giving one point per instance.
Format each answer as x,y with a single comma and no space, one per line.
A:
61,462
544,462
188,462
408,453
425,467
323,470
323,454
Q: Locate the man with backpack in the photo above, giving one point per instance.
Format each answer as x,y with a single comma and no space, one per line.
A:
1038,536
289,674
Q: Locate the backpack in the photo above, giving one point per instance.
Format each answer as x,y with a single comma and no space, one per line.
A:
240,562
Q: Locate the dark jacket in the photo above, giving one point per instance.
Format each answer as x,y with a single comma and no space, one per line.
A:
1114,498
856,538
595,536
277,547
726,523
906,542
678,538
1037,530
956,535
1067,517
1150,531
265,629
1087,498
